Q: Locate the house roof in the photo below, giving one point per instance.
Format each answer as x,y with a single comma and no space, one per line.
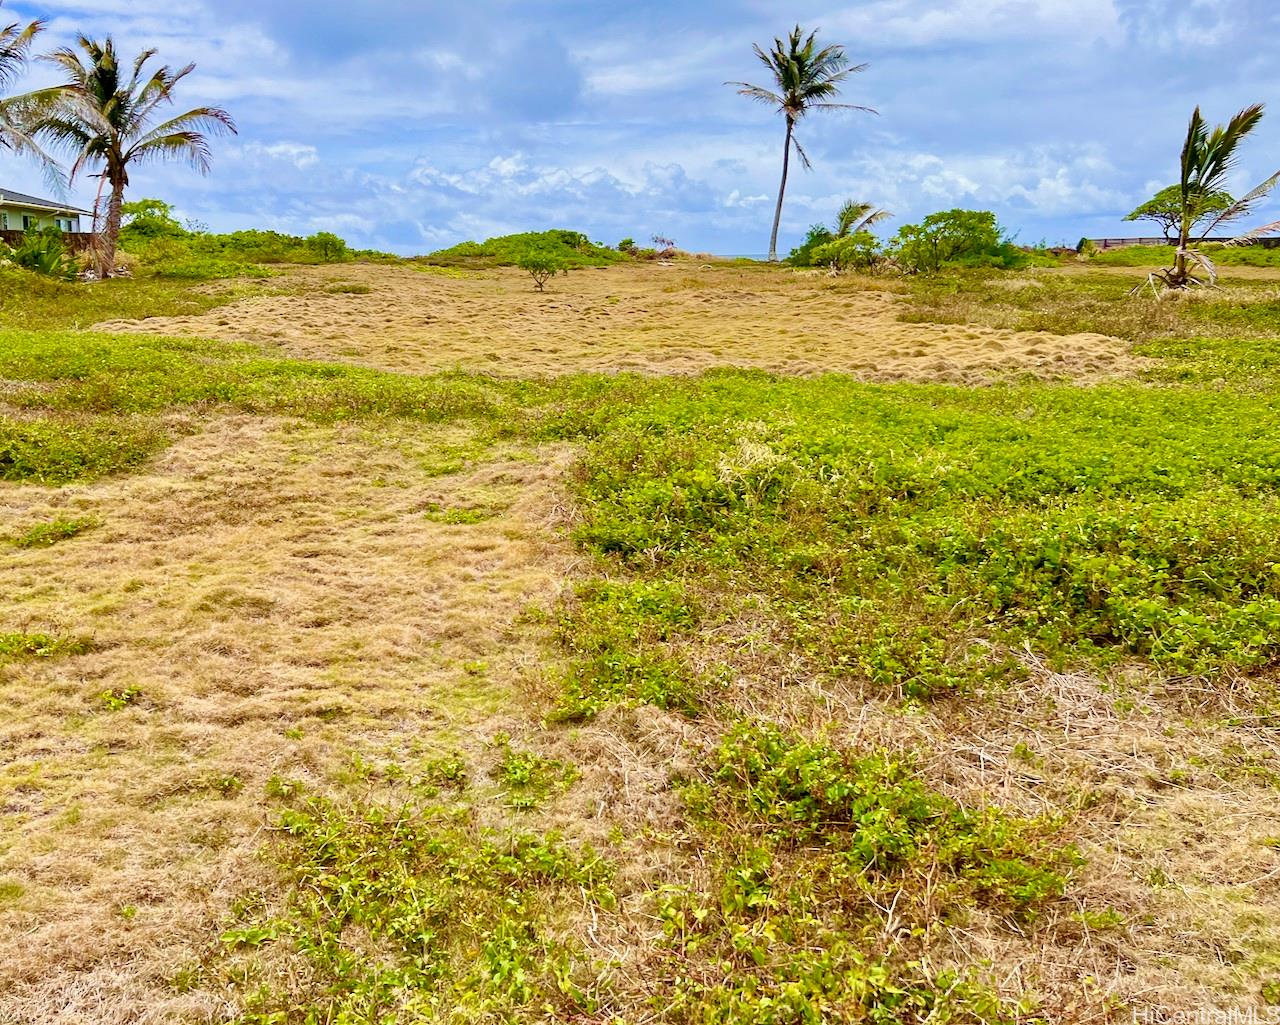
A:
11,198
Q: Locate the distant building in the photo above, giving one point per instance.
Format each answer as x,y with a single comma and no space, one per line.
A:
19,212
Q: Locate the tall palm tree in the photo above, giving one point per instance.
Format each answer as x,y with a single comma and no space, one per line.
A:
1208,158
15,51
855,217
107,117
804,79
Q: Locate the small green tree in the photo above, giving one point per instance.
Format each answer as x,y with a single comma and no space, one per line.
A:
150,218
328,246
1165,209
541,266
627,245
952,236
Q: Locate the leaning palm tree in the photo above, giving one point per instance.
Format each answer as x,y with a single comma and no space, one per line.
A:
804,79
106,117
1208,158
855,217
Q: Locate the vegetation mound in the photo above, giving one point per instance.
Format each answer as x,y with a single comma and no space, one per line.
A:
568,248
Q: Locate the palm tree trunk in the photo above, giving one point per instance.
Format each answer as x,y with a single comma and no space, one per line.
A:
782,188
111,231
1180,256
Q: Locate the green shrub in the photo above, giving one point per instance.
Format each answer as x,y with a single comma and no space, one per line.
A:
802,255
859,251
327,246
542,265
148,219
969,238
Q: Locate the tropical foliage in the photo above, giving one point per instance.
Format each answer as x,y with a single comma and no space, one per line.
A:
805,78
107,116
848,244
43,251
1209,157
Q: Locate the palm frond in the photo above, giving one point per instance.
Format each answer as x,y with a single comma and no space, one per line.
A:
756,92
15,48
189,146
1244,204
804,157
206,120
1254,234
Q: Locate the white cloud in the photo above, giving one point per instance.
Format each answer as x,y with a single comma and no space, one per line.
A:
923,23
300,155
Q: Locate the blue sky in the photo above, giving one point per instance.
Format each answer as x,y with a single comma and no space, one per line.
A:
408,125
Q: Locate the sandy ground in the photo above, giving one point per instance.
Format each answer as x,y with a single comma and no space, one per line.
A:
651,318
280,597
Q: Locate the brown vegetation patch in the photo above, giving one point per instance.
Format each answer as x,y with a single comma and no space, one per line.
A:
681,318
266,598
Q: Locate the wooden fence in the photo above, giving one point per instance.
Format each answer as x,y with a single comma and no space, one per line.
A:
76,241
1121,243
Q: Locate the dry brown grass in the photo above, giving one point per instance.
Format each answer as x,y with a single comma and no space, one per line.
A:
650,318
280,600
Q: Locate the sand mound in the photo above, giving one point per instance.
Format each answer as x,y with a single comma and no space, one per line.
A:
648,318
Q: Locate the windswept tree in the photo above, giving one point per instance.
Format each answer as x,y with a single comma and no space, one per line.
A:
805,78
109,118
1165,209
1208,158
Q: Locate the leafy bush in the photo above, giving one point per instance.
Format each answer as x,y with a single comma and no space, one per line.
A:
571,248
802,255
542,265
969,238
859,251
167,249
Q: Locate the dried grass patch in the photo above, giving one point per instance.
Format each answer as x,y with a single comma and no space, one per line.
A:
643,318
265,598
